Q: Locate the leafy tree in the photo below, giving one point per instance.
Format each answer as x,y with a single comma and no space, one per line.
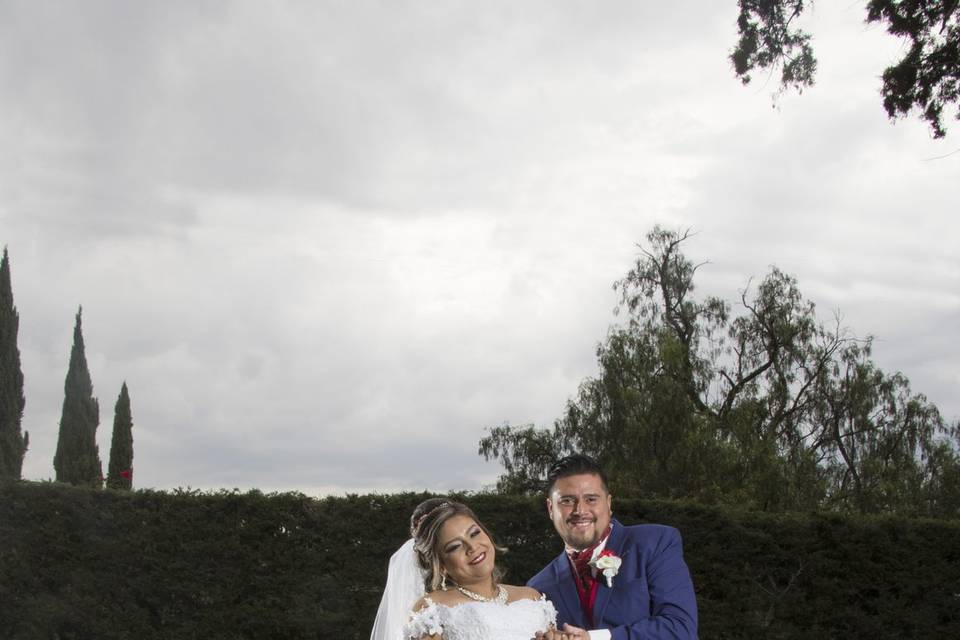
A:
926,78
13,444
526,454
768,40
771,408
77,459
875,434
120,468
941,491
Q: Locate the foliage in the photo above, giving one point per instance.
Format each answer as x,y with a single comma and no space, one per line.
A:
926,78
770,408
13,443
120,467
81,563
767,40
526,455
77,459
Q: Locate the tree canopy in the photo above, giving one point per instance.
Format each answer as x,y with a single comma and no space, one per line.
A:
772,407
120,467
925,79
13,443
77,459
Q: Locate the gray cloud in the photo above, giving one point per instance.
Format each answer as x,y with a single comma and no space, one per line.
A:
327,244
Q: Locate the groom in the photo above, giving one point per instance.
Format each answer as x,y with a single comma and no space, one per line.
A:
649,595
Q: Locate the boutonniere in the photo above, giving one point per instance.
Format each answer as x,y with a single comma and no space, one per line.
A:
608,563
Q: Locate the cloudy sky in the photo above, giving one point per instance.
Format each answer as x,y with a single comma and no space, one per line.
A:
328,243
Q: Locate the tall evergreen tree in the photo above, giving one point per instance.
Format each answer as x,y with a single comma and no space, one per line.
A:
13,445
120,467
77,460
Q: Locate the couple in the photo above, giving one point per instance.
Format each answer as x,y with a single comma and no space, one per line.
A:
612,582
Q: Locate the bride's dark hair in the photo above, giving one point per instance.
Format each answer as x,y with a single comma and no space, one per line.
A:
426,536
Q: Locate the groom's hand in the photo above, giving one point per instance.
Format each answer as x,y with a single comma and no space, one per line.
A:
575,633
569,632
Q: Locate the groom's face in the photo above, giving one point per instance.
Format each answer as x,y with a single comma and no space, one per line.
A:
580,509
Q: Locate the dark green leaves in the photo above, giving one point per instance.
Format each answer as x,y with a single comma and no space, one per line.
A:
926,79
769,406
13,443
768,40
77,459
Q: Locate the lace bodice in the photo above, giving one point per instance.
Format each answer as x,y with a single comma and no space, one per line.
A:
517,620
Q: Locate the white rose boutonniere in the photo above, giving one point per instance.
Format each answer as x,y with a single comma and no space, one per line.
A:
608,563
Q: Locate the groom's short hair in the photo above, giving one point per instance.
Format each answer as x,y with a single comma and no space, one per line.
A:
574,465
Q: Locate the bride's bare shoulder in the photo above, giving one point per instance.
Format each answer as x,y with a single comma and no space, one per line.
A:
440,597
521,593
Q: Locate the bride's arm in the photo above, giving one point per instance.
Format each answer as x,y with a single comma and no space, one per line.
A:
551,632
424,620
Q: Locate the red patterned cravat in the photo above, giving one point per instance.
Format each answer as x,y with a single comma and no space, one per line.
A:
581,561
581,564
586,583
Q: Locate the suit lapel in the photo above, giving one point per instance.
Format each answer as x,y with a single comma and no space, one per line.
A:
614,544
568,590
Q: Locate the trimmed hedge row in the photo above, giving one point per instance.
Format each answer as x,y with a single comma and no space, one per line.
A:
85,564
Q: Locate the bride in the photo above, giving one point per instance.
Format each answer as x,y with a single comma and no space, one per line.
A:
456,558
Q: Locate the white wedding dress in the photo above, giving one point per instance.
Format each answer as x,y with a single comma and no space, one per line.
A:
517,620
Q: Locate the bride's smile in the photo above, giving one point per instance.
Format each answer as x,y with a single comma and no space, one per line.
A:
468,553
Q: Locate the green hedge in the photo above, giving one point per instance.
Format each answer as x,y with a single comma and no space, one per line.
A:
85,564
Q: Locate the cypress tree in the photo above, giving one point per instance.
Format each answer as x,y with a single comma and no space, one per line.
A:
13,445
120,468
77,460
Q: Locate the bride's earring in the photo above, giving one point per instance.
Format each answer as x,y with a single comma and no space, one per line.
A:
443,581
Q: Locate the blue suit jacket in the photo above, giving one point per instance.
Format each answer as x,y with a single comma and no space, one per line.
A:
652,595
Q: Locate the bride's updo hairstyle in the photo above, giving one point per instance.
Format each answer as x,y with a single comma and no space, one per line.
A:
423,509
426,535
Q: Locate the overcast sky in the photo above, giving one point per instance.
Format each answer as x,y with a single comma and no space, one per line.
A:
327,244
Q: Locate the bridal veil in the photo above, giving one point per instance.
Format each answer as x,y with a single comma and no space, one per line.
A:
404,587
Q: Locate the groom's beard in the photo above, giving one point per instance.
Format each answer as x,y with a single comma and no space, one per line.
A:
582,532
